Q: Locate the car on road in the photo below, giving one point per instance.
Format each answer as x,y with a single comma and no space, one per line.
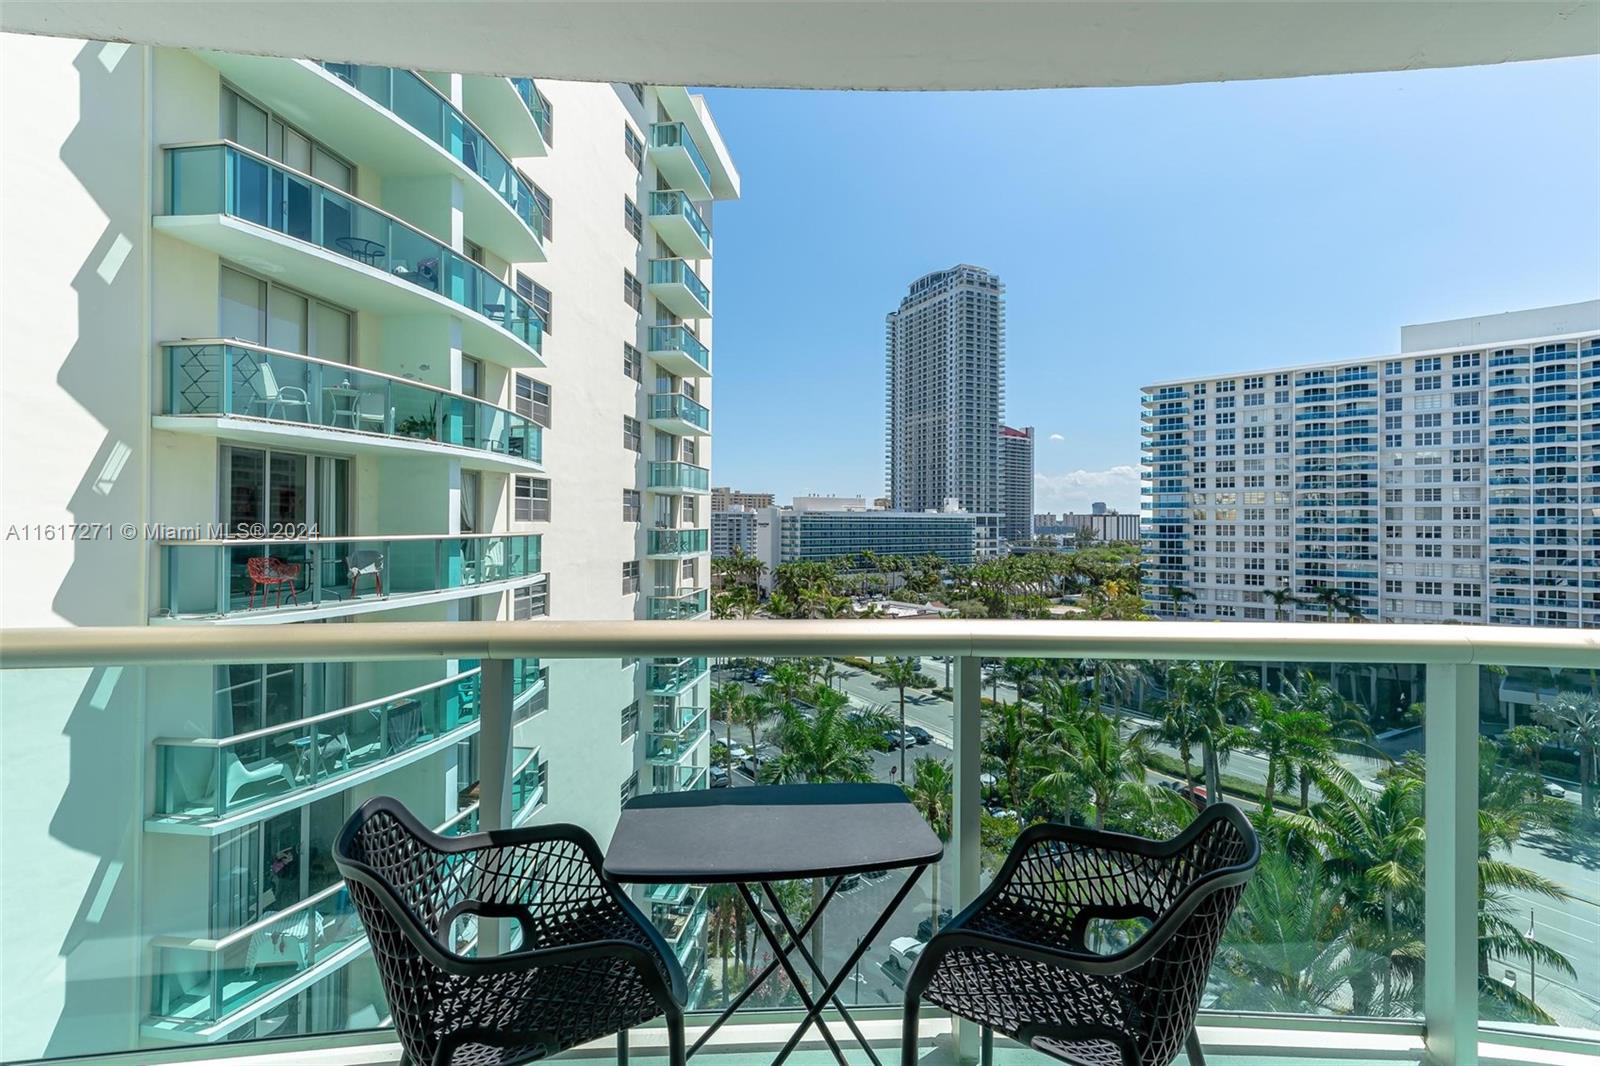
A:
1195,794
919,735
1554,791
925,929
903,950
719,777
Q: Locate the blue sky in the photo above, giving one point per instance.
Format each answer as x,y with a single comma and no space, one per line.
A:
1142,234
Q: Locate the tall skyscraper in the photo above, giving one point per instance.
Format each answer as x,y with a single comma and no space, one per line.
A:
1454,481
945,352
368,344
1016,465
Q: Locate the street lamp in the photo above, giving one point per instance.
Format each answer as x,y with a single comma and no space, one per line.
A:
1528,938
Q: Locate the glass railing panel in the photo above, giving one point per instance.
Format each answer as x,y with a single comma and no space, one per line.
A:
679,541
670,203
678,406
668,474
676,135
420,106
227,179
678,605
228,577
679,272
679,339
207,779
536,105
220,378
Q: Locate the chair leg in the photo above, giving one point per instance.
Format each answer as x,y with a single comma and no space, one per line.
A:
677,1053
986,1047
908,1034
1192,1047
622,1048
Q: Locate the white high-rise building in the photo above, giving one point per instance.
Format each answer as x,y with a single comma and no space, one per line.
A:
1458,480
945,377
1016,460
319,343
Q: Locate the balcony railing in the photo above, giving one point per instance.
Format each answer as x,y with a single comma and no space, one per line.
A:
672,204
671,677
675,135
202,779
1427,679
675,406
669,747
226,179
419,105
678,342
677,285
672,476
672,604
283,576
537,106
232,379
678,541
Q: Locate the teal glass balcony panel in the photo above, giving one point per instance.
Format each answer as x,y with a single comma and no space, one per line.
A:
537,105
207,779
230,379
528,770
419,105
678,409
670,605
675,154
672,476
677,778
679,350
201,981
222,578
672,677
683,934
225,179
675,284
680,223
668,748
679,541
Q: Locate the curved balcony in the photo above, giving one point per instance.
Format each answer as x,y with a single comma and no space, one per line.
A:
668,476
289,580
203,781
397,123
678,222
678,159
675,413
511,111
251,209
675,543
670,746
678,350
248,392
677,287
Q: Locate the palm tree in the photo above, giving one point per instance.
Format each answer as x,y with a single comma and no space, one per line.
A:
1574,718
1286,735
724,698
932,792
1178,594
1006,742
900,673
726,932
1328,597
1281,597
1311,747
1214,693
1107,766
1179,727
748,713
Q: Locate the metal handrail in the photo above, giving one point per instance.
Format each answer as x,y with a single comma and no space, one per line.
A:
219,943
315,719
236,542
1301,642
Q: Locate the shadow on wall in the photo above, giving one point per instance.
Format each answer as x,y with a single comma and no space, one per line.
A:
106,373
101,809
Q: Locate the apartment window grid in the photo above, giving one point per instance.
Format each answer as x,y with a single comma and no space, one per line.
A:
632,362
546,211
630,577
632,508
632,437
533,399
632,218
634,147
531,499
632,291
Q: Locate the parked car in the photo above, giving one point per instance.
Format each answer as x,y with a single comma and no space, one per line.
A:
892,738
1554,791
919,734
1195,794
903,951
719,777
851,882
925,930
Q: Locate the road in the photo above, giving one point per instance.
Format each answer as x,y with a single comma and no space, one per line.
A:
1571,926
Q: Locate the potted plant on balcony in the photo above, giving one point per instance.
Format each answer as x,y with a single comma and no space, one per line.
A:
418,426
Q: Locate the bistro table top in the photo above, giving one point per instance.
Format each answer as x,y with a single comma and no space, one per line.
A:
768,833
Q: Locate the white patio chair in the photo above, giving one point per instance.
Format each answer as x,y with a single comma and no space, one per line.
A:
279,397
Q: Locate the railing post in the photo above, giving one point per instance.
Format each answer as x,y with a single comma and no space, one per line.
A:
495,769
1450,889
967,744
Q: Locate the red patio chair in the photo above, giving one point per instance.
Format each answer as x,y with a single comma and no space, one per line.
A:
267,571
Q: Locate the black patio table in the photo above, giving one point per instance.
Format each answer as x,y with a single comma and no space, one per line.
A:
764,834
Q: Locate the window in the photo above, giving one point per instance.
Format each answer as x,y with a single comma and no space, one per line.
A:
632,219
537,295
542,200
638,90
531,499
533,400
631,437
632,362
632,292
630,577
634,147
631,508
531,602
630,787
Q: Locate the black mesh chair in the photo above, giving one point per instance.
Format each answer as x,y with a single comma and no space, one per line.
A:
588,965
1019,960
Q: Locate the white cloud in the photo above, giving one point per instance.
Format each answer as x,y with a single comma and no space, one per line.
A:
1076,489
1057,437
